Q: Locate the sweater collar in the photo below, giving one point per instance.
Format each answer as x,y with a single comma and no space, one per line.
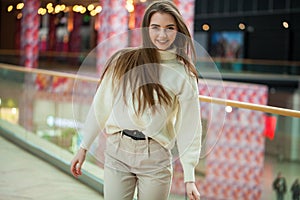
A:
169,54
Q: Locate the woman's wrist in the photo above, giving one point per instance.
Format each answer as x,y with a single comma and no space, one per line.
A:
83,149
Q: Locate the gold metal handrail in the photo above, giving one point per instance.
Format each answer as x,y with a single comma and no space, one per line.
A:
238,104
251,106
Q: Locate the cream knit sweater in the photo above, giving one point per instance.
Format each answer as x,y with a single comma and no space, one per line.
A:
179,123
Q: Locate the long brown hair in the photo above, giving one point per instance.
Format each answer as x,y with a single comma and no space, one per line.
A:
138,68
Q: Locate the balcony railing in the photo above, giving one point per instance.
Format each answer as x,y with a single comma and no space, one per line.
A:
42,112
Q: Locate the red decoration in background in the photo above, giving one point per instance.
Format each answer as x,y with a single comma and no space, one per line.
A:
233,148
42,82
270,126
136,37
112,33
186,8
30,34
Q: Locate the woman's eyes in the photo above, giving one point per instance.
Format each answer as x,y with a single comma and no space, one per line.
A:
155,27
165,29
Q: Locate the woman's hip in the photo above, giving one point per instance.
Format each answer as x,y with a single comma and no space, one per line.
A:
136,155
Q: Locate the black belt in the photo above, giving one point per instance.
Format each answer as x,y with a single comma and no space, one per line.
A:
134,134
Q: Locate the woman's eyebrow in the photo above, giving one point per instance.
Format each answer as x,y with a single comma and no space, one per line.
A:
154,25
169,25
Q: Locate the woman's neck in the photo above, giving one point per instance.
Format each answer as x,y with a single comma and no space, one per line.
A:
169,54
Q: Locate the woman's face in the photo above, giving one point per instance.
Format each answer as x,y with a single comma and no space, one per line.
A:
162,30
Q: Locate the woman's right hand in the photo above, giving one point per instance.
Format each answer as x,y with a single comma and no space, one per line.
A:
77,162
192,191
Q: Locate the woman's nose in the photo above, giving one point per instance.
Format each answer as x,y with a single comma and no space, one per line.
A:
162,32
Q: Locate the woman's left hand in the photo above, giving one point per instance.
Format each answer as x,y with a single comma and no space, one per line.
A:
192,191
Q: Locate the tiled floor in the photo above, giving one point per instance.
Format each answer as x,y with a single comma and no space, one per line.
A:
26,177
290,170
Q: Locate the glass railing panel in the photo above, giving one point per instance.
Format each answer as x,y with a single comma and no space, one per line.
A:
11,84
44,106
241,153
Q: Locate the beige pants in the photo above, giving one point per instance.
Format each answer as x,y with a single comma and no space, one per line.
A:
136,164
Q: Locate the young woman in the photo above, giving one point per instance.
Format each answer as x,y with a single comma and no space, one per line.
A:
147,102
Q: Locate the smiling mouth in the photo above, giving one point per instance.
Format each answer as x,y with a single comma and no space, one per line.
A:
162,42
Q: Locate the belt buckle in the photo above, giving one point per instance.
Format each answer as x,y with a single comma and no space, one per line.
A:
134,134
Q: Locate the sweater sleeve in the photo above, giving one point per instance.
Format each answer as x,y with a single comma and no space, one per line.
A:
98,114
189,129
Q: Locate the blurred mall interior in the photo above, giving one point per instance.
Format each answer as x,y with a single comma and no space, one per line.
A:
51,55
